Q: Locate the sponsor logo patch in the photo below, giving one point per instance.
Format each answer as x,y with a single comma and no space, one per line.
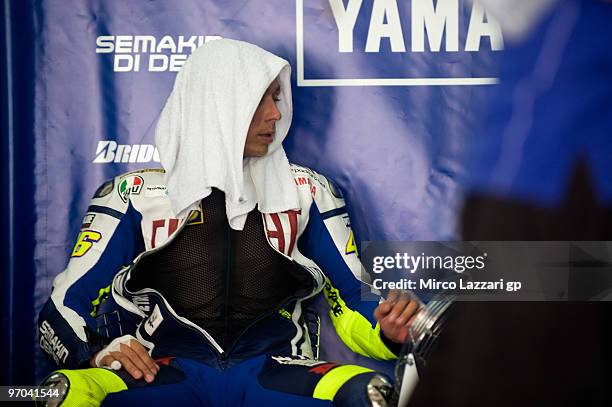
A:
142,302
333,299
131,185
154,321
152,191
87,220
284,313
51,343
287,360
281,237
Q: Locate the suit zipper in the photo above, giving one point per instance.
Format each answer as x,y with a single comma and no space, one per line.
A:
208,337
228,270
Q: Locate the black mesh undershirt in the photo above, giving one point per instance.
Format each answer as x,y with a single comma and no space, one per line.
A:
219,278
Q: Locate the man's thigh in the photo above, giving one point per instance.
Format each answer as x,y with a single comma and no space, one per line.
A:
303,381
179,394
180,382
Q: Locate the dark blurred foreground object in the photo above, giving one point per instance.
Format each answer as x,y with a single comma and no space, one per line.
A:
526,354
520,354
580,217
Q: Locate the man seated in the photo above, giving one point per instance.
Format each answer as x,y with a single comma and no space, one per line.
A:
212,261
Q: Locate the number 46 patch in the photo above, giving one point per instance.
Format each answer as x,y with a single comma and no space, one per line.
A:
351,245
85,241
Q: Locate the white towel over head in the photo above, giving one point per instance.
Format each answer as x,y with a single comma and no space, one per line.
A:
202,130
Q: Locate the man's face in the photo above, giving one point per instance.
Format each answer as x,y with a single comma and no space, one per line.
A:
262,128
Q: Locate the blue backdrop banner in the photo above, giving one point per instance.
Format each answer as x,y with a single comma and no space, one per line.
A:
385,101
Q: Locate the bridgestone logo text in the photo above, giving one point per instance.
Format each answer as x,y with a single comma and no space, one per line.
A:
109,151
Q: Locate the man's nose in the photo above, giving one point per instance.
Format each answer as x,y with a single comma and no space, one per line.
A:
273,112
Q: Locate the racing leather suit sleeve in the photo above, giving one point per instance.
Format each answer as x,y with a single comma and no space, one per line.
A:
109,239
330,242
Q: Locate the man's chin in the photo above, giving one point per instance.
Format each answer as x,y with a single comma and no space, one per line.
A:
256,154
262,151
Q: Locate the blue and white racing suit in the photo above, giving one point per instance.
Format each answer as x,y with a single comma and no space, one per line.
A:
130,217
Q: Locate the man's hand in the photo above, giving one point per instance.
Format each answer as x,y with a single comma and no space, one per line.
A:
133,357
396,314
